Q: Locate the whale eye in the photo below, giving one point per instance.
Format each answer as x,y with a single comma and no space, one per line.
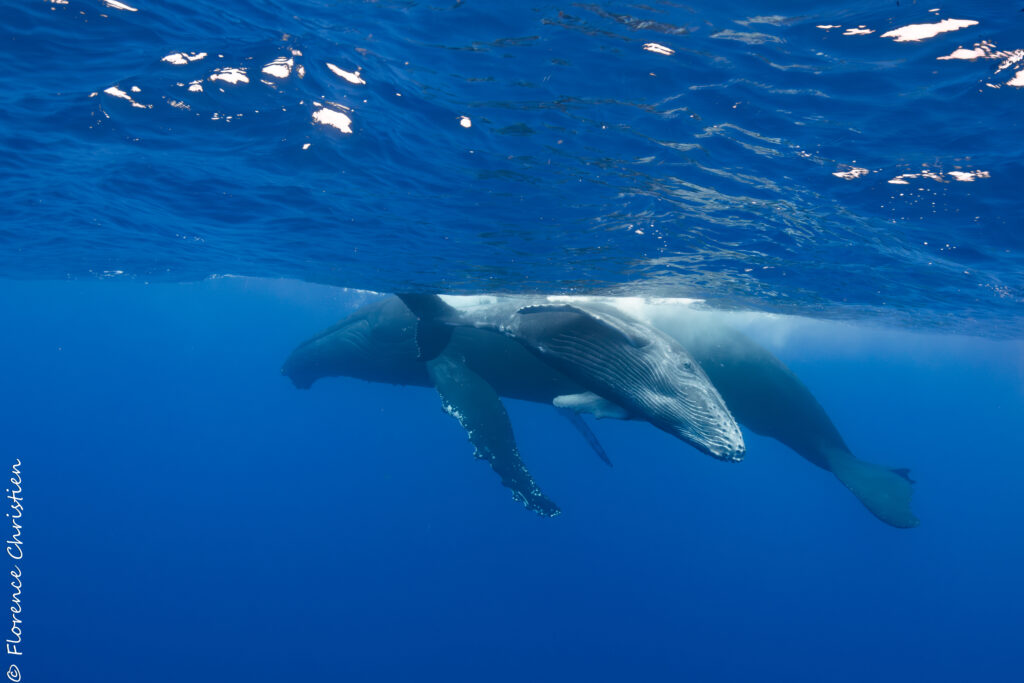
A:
688,365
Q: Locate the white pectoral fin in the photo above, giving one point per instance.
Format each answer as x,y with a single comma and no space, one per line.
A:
589,402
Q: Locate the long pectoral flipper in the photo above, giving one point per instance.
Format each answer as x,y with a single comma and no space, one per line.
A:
474,403
577,421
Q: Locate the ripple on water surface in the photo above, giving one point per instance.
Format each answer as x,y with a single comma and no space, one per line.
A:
833,162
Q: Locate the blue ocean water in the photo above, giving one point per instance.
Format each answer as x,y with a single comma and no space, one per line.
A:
190,515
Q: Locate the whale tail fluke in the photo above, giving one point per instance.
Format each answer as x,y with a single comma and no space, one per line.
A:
885,492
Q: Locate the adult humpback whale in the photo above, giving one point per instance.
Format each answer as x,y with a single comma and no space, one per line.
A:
628,370
588,358
379,343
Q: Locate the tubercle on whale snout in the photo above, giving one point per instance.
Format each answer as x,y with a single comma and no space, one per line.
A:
727,455
725,447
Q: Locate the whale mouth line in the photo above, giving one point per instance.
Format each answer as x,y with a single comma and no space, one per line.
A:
723,444
732,455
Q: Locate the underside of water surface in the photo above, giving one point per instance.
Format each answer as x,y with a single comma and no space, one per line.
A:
843,162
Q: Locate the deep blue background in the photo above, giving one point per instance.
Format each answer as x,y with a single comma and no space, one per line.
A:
192,516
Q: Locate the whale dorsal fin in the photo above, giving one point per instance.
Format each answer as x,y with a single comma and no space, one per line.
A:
611,325
434,320
475,404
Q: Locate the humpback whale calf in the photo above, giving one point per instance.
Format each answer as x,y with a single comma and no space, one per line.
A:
581,359
474,354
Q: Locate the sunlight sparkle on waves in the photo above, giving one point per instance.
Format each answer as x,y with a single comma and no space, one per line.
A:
280,67
915,32
352,77
230,75
114,91
119,5
659,49
336,119
181,58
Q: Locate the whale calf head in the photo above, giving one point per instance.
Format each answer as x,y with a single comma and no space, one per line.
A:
692,409
635,366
